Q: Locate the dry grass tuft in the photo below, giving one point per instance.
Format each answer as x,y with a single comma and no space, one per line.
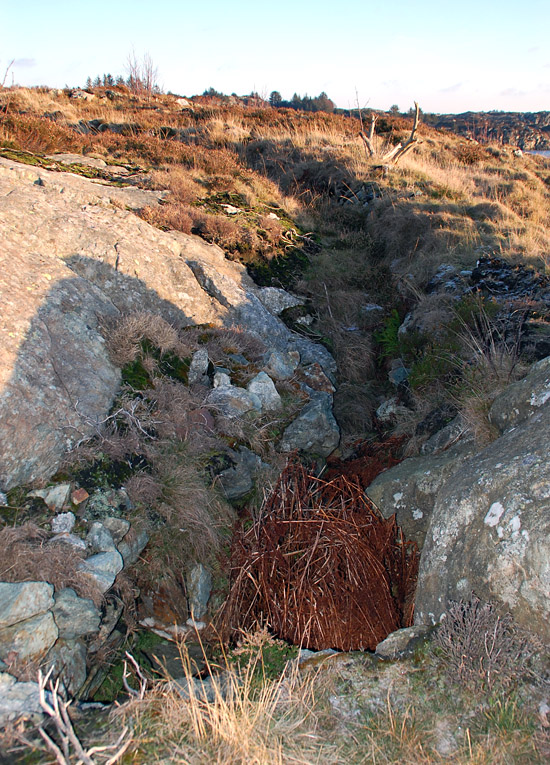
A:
27,556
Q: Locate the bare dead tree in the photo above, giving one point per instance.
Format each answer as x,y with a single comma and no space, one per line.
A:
142,74
396,152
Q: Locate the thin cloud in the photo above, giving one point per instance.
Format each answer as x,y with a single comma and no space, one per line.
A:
452,88
513,92
27,63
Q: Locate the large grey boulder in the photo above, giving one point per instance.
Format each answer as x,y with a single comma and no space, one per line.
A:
314,430
410,489
490,530
82,257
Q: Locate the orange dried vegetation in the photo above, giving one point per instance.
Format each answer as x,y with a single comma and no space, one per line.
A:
321,567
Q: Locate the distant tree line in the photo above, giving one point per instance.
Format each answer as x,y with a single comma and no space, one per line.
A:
320,103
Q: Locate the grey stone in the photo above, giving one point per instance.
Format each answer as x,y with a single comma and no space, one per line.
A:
446,437
118,527
232,401
315,430
262,386
31,638
490,530
75,616
103,568
68,539
132,546
237,480
402,642
390,410
410,489
199,587
17,699
22,600
100,539
523,398
221,379
68,658
198,369
277,300
280,365
63,523
56,497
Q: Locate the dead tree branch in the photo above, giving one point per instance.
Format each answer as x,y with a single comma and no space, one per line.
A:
58,710
398,151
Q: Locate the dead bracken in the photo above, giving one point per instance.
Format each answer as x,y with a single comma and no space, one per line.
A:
321,567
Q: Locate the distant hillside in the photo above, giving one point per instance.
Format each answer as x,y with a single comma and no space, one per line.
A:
526,130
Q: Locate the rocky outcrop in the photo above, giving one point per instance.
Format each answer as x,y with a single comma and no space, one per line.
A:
74,256
528,130
490,526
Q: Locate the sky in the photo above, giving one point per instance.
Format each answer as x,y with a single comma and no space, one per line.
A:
477,55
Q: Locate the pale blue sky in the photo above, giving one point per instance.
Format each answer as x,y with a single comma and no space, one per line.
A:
448,56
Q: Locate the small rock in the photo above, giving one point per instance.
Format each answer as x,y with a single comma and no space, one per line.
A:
118,527
198,370
237,480
314,430
402,642
79,496
201,689
262,386
3,499
31,638
17,699
75,616
199,587
63,523
444,741
56,497
103,568
132,546
99,538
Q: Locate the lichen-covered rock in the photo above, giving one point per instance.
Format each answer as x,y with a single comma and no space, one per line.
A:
133,545
402,642
523,398
22,600
314,430
199,587
410,489
277,300
490,530
99,538
75,616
